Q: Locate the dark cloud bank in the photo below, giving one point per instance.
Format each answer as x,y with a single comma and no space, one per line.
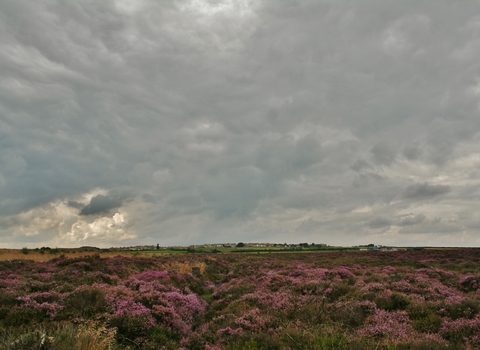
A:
319,121
100,205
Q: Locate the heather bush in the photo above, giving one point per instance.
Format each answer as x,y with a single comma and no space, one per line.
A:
391,325
338,291
464,308
84,302
392,302
9,280
462,331
469,283
18,317
47,303
430,323
131,318
152,276
352,314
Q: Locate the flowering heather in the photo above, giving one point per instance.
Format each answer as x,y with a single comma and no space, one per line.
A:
150,276
337,300
470,282
275,301
43,302
392,325
230,331
462,330
401,286
186,306
9,280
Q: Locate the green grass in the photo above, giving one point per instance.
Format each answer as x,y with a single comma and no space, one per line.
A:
235,250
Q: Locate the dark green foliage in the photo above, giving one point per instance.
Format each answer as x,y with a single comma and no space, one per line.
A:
429,323
339,291
466,309
162,335
395,302
129,327
351,315
20,317
86,303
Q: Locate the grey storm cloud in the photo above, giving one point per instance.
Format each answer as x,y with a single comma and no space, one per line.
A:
436,225
383,153
412,152
75,204
380,222
318,121
100,205
425,190
361,165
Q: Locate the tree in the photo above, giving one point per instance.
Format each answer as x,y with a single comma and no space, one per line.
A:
240,245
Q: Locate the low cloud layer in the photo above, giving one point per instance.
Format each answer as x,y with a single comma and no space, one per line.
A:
145,122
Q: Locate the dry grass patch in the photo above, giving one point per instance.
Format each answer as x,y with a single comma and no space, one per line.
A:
16,254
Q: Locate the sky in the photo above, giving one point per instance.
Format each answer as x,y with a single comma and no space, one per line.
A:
183,122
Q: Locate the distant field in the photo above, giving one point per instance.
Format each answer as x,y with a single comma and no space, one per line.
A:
38,255
45,255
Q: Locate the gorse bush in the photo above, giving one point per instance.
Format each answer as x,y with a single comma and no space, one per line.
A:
342,300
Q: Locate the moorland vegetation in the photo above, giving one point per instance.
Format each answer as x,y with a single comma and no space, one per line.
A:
336,300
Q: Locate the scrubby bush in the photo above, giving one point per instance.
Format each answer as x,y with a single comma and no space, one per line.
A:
84,302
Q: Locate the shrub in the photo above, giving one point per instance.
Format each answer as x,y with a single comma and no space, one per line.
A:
469,283
429,323
394,302
339,290
383,324
162,338
131,327
85,302
466,309
353,314
461,330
